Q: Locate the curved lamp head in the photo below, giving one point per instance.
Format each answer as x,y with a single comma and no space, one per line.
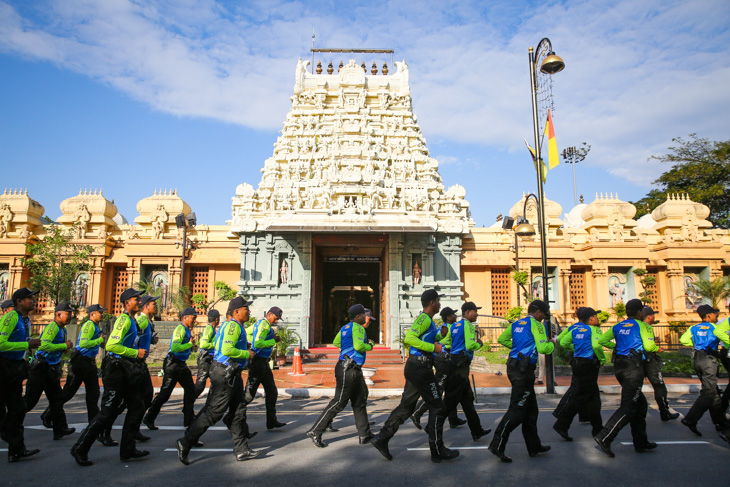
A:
523,228
552,64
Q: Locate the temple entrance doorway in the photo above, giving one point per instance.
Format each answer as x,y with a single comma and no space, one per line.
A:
349,269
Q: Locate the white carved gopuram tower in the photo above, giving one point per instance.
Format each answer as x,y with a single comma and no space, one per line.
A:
350,208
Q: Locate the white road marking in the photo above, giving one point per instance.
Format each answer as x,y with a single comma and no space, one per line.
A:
229,450
672,442
452,448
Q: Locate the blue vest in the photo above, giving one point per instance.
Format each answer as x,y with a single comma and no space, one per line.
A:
428,336
92,351
262,352
54,357
628,336
458,339
582,341
347,347
241,344
186,339
523,341
20,333
145,338
131,339
703,337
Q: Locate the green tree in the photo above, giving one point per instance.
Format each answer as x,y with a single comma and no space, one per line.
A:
222,290
713,290
55,263
645,280
700,168
619,310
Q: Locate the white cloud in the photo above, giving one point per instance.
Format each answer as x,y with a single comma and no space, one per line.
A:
636,74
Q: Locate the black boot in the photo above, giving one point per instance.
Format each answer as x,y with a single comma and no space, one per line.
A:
19,456
81,458
182,451
106,440
440,454
381,445
500,454
316,439
64,432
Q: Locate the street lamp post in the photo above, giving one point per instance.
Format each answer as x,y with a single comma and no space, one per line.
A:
572,156
550,64
182,221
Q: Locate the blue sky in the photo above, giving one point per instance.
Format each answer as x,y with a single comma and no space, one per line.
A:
130,96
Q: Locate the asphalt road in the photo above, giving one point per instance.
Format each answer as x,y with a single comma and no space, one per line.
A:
290,457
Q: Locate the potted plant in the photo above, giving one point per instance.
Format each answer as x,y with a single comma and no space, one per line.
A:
287,338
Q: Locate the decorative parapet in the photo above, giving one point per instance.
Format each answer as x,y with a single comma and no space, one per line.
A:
351,155
553,210
92,213
157,215
20,215
681,219
608,219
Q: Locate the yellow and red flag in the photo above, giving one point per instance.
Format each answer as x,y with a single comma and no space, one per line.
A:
534,161
553,157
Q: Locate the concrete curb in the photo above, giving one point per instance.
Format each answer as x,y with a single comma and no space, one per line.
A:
315,392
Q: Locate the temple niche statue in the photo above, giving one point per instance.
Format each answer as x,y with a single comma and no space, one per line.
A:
416,274
283,272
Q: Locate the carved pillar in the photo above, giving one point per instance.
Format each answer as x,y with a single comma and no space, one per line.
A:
429,267
16,275
133,271
95,282
600,285
564,283
395,273
273,267
675,271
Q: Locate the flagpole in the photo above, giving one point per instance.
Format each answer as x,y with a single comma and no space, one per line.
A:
551,64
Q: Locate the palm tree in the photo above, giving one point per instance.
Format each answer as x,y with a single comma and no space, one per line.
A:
713,290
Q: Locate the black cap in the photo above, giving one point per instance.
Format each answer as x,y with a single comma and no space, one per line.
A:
706,309
647,310
633,306
8,303
446,312
430,295
213,315
23,293
369,314
537,305
129,294
584,313
469,305
356,309
238,302
189,312
276,310
147,298
95,307
63,306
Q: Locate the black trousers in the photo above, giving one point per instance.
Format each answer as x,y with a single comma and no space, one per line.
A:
226,391
146,389
46,378
585,397
420,382
82,369
122,384
204,362
350,386
458,391
632,410
522,409
175,371
259,373
12,375
725,360
706,367
653,372
441,364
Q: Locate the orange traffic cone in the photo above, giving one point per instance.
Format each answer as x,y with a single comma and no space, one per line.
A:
296,366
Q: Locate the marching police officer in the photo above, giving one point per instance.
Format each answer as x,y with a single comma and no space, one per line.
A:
653,371
526,339
6,307
82,366
15,341
457,389
177,371
423,338
206,350
441,364
259,372
350,383
587,359
704,340
226,386
633,340
722,331
45,371
121,374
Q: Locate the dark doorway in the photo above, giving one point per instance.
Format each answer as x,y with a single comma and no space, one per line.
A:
345,284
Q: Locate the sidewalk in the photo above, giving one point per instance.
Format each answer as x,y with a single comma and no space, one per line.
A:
389,381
